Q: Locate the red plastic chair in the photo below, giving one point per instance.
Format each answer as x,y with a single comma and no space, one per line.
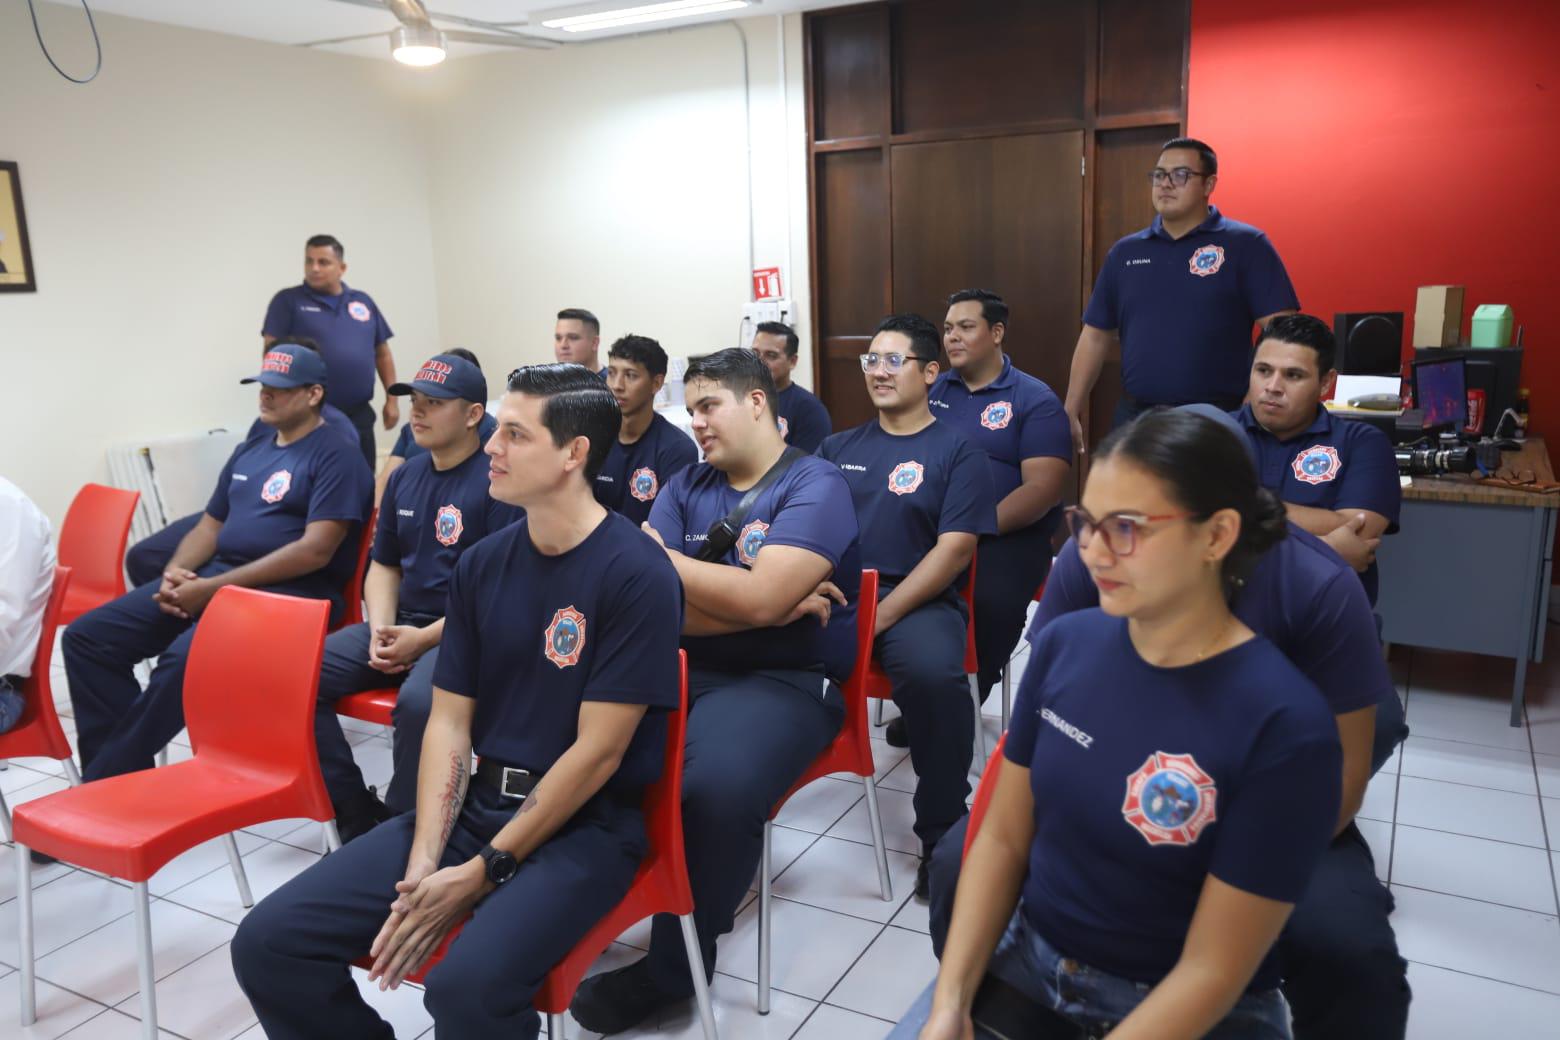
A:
1007,679
352,596
983,793
879,687
851,752
660,887
92,545
38,732
250,710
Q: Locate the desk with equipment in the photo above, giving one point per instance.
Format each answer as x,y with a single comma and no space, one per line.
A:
1469,569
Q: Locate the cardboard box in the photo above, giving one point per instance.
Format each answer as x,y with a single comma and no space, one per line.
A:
1438,315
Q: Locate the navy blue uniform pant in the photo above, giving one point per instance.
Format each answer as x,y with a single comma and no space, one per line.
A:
292,952
345,670
1009,570
362,416
750,735
1343,977
923,656
148,558
119,726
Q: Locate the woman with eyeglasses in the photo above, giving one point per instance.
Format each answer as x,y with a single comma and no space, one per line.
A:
1170,778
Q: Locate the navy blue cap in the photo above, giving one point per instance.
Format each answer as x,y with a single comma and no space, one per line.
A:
288,365
446,376
1223,418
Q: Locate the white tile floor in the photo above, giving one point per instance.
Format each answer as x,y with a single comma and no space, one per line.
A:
1465,822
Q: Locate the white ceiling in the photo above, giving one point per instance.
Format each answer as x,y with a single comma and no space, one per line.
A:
301,22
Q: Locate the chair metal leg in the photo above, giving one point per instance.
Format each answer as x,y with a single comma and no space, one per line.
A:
143,931
879,846
763,922
239,877
555,1027
5,816
24,933
980,728
701,984
71,772
162,758
877,709
1007,695
332,836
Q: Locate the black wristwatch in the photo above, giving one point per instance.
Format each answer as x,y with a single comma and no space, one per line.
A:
501,865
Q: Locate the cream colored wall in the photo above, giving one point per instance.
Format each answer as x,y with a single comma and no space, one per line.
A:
169,199
166,202
612,176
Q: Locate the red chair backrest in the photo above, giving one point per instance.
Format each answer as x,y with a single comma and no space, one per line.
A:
988,785
93,538
38,732
250,685
352,596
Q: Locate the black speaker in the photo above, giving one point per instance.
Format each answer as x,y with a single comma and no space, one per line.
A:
1370,343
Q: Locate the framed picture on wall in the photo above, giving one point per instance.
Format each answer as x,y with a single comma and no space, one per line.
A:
16,266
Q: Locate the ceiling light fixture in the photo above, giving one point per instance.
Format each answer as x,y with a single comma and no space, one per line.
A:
417,45
638,14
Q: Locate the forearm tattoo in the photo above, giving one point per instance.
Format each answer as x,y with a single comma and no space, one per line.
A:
454,794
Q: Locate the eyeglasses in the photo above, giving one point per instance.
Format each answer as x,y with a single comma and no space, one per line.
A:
890,362
1120,530
1178,176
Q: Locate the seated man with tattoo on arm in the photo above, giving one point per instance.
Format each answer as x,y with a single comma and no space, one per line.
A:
557,665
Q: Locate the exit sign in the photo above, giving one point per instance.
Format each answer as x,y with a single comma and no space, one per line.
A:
766,283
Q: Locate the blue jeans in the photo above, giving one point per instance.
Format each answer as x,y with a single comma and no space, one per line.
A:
11,704
1093,999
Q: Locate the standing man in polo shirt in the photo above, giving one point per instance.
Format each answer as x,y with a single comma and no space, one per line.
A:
283,517
559,666
648,450
1019,423
923,497
434,508
763,673
1337,478
577,339
804,421
1181,297
350,329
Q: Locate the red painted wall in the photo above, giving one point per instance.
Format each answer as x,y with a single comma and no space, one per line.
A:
1388,144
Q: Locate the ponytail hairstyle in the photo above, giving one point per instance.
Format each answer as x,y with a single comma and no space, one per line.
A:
1206,466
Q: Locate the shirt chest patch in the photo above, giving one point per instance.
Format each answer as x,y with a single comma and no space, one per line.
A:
644,484
565,637
1207,260
906,478
1170,800
997,415
1318,464
276,486
751,540
359,310
448,525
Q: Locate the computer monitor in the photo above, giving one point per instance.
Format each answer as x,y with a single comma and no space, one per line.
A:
1441,393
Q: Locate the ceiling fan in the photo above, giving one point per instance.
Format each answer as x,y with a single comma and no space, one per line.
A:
417,41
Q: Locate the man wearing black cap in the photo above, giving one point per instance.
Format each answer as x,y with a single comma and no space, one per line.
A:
434,508
283,517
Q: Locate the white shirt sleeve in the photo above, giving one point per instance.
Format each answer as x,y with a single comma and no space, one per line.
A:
26,577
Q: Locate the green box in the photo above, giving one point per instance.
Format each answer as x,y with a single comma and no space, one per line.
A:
1491,325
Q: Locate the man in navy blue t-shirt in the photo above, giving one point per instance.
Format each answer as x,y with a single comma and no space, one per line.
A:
1344,977
557,667
577,339
923,497
406,447
648,450
804,421
767,649
284,517
1018,422
1180,296
435,508
350,329
1337,478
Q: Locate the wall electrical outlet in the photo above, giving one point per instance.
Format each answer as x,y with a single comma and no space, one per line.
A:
757,312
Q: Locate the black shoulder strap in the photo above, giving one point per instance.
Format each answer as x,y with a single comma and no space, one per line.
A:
722,534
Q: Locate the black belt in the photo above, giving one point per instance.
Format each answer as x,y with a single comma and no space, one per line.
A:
509,781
